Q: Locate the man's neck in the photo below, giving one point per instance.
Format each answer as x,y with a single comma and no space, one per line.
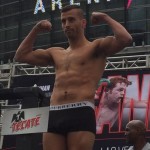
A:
77,42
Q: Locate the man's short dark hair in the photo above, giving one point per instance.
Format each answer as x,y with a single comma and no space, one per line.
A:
70,7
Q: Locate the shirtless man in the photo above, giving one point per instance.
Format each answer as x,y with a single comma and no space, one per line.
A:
78,70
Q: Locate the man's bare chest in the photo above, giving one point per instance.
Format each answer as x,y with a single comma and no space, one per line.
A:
73,59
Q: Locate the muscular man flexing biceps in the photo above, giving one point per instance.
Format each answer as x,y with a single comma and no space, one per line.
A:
78,69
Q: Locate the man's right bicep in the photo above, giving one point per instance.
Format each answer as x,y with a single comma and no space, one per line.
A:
38,57
41,58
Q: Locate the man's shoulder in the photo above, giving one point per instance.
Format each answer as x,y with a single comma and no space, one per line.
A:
55,48
98,47
97,40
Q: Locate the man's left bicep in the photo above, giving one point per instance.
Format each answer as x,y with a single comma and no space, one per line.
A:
111,46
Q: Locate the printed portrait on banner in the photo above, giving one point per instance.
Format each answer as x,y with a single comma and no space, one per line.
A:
119,99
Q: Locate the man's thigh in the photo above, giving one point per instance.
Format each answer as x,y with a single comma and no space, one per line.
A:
52,141
81,140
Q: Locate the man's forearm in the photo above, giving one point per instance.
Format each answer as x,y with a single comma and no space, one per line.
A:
27,45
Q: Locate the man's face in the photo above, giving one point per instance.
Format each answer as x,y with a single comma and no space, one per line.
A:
72,23
117,93
131,133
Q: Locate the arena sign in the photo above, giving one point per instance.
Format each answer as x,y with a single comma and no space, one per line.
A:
58,4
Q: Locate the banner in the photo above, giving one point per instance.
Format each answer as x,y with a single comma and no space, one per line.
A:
24,121
121,95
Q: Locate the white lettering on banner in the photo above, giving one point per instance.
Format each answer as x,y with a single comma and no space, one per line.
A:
45,88
115,148
145,88
133,89
137,92
141,90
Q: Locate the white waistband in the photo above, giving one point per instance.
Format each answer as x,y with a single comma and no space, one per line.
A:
72,105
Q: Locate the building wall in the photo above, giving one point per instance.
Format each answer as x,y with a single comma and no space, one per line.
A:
17,18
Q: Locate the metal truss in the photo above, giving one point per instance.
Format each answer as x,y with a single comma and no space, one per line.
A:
113,63
128,62
26,69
